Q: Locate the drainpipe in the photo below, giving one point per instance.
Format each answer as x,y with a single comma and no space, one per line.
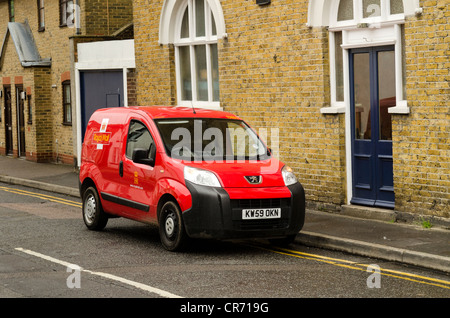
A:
78,17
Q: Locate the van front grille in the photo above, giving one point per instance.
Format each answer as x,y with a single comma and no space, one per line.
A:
259,203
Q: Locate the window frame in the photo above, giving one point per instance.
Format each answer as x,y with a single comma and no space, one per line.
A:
208,40
133,120
384,16
66,105
63,17
385,29
11,11
30,110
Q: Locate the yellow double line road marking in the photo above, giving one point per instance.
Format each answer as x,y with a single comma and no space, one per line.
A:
42,196
357,266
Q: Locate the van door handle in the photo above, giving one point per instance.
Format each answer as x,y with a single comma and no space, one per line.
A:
121,168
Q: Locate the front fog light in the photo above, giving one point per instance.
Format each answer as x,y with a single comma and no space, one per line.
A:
288,176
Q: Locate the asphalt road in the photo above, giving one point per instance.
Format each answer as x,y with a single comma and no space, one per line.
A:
47,252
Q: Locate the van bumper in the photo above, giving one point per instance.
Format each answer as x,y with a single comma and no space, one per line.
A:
214,215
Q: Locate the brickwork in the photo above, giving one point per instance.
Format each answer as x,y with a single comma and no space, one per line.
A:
131,85
155,61
421,139
48,138
105,17
274,72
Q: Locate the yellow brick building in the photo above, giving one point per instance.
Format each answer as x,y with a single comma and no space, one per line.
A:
37,54
356,93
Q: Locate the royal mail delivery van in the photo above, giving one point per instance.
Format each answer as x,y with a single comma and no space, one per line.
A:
195,173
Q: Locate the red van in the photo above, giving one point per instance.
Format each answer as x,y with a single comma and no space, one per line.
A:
196,173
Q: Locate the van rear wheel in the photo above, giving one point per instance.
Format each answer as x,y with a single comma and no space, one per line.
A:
93,215
171,227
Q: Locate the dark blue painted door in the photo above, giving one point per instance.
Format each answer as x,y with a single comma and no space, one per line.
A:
372,90
99,89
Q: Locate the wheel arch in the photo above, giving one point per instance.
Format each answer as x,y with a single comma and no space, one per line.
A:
165,198
87,182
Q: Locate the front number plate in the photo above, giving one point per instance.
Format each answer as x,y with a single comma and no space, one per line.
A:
258,214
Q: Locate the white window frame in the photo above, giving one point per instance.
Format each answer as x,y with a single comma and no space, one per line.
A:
363,32
191,42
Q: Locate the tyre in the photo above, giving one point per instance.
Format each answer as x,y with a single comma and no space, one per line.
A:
171,228
93,215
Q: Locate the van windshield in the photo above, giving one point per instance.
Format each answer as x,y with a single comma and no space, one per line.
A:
209,139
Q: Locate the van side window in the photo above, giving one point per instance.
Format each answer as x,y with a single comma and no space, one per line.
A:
138,137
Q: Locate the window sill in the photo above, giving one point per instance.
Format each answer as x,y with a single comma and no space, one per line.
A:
398,110
332,110
401,108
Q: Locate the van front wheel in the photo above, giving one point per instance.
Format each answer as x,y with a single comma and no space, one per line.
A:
171,228
93,215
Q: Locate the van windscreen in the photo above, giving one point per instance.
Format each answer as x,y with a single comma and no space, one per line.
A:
196,139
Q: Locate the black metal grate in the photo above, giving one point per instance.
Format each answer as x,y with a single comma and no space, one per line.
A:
259,203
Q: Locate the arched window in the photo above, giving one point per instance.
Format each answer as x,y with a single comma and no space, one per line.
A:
196,55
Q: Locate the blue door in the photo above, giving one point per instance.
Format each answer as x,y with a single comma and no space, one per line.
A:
372,91
99,89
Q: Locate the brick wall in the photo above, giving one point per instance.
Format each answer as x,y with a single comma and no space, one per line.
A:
44,83
273,73
421,139
43,114
105,17
47,137
153,61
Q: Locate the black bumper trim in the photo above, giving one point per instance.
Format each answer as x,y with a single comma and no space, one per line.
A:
214,215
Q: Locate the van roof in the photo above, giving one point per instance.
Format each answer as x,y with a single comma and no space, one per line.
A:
157,112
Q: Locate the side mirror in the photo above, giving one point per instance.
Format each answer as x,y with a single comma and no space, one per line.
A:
141,156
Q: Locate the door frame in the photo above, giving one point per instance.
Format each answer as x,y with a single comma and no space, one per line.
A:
98,56
20,113
8,115
374,190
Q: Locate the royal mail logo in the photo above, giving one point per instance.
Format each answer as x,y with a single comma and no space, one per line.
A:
253,179
102,138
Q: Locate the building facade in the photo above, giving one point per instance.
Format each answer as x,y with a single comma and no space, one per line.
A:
38,52
354,94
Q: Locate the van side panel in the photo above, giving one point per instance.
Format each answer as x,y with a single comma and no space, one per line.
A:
102,146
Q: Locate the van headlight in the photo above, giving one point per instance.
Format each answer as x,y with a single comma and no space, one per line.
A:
288,176
201,177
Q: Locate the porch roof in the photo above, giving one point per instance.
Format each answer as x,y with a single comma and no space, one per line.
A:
25,46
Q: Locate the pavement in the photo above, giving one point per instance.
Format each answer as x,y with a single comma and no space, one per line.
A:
363,231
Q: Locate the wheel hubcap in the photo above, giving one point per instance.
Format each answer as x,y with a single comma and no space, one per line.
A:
89,210
170,225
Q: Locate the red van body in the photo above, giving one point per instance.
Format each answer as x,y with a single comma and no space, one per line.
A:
139,163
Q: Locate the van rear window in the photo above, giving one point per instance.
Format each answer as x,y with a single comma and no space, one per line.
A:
209,139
